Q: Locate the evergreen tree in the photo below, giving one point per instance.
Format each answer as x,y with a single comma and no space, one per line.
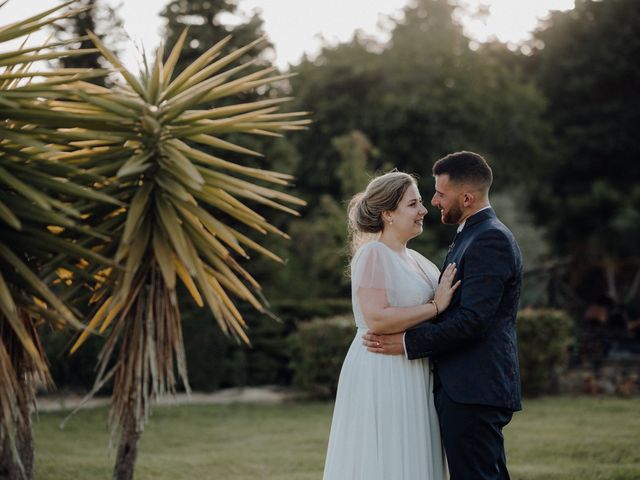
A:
585,62
210,21
99,18
424,94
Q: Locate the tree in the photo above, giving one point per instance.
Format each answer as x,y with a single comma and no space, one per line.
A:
422,95
442,94
152,207
98,17
589,199
341,88
173,221
206,24
319,258
425,93
36,208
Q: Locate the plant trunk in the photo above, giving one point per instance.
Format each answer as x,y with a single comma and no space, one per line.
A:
127,450
149,335
9,467
18,383
6,460
24,438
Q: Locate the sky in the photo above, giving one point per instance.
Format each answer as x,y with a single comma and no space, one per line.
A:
299,26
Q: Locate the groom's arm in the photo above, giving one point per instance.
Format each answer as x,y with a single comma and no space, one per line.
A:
488,263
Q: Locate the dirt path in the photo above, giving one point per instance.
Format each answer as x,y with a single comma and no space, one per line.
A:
267,394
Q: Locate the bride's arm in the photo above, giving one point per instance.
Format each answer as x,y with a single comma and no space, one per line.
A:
382,318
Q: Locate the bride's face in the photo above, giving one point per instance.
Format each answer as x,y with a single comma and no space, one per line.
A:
408,216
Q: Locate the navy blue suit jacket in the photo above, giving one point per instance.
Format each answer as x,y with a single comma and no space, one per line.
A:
472,344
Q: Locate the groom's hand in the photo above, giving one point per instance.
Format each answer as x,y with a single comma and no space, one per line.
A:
386,344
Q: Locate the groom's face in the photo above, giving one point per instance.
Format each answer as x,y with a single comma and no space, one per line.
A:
448,200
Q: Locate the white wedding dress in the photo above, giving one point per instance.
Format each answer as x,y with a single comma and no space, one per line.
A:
385,426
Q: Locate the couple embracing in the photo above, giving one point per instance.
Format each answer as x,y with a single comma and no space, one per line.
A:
432,376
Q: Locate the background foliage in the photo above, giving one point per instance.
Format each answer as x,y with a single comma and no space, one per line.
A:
543,338
319,347
557,119
318,350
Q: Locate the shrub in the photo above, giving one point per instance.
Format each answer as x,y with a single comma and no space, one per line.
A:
306,353
319,346
318,349
214,360
72,373
543,340
297,310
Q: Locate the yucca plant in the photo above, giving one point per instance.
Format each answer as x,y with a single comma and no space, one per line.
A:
37,202
156,139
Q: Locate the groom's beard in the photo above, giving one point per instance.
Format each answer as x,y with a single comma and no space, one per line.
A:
452,216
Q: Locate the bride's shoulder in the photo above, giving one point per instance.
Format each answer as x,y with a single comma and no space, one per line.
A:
372,248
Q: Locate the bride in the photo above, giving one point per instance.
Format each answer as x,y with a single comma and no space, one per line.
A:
384,422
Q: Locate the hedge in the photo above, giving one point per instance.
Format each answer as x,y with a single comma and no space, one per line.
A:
319,347
214,360
306,353
544,337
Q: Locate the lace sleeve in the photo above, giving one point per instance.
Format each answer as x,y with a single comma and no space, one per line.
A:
370,267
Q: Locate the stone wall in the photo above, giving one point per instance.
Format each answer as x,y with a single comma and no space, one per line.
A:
605,377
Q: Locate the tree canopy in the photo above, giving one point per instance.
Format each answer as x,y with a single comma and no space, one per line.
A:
588,198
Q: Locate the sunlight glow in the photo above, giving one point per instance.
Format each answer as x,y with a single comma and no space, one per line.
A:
302,26
509,20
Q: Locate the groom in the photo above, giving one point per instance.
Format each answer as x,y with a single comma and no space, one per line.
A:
472,345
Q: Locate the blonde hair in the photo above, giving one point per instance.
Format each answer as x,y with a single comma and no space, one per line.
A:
383,194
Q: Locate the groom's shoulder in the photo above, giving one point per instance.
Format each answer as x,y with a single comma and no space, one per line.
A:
504,230
494,230
497,224
494,242
503,239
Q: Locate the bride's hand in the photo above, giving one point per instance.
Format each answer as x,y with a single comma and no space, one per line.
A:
446,287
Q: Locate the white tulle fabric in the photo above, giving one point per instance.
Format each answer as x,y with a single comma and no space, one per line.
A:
384,424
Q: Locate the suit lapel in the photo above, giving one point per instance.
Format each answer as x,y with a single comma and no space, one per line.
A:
473,220
452,246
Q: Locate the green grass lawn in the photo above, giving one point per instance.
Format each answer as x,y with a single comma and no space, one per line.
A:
552,439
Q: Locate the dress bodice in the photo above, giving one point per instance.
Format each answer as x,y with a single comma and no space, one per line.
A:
406,281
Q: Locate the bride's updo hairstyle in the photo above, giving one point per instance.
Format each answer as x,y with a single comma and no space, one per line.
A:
383,194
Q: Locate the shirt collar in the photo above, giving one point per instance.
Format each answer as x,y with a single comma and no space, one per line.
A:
461,226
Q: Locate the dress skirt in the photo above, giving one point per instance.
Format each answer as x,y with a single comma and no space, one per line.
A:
385,425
